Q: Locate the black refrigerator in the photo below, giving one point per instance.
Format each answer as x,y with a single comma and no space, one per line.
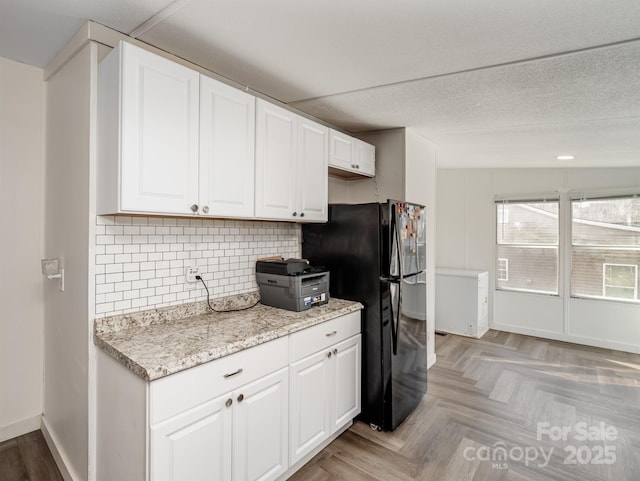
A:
373,251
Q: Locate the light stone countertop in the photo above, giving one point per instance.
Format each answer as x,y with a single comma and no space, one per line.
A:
160,342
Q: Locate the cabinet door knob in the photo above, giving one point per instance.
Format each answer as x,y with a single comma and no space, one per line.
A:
301,214
353,166
205,209
194,208
229,402
295,214
357,166
240,398
329,354
335,352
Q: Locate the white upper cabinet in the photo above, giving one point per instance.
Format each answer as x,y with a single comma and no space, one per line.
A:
312,170
276,142
291,165
148,114
227,150
350,157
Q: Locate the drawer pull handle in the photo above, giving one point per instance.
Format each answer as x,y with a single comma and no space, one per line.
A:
233,373
229,402
332,333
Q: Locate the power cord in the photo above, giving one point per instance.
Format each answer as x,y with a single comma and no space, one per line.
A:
228,310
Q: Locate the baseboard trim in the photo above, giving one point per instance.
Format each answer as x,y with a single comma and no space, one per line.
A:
19,428
431,360
554,336
58,456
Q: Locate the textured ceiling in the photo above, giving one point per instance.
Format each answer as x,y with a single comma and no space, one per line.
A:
492,82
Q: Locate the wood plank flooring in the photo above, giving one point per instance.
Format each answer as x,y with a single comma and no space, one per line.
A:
27,458
480,418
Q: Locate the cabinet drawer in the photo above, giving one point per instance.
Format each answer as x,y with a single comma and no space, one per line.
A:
321,336
181,391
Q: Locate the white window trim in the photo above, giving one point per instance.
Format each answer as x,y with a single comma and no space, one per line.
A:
604,285
506,269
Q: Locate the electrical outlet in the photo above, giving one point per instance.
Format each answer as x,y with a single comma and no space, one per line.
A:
192,272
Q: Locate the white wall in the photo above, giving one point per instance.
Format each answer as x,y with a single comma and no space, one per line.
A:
420,187
70,152
466,239
21,304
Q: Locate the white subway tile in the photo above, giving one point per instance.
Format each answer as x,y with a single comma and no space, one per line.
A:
123,304
132,275
105,307
139,239
147,292
114,229
139,284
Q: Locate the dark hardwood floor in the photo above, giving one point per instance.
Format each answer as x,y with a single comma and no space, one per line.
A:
495,410
27,458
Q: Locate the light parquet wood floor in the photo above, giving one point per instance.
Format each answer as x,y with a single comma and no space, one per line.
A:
492,393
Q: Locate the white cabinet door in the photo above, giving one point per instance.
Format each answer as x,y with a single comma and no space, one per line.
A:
276,162
341,150
347,382
310,404
227,150
159,133
195,445
365,158
312,170
260,428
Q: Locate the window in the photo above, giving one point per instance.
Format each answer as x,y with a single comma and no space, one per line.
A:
619,281
503,269
527,246
605,253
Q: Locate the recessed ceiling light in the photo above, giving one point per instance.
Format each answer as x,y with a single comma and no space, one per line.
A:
565,157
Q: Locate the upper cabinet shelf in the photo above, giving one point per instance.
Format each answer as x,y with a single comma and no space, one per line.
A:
174,142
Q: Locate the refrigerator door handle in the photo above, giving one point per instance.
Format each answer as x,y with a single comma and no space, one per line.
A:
395,320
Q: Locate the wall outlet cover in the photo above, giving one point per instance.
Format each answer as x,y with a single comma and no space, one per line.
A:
191,273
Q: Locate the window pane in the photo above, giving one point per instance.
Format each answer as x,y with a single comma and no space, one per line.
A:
530,223
530,268
606,248
607,222
527,251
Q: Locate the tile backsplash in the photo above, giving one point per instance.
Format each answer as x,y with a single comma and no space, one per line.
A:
141,261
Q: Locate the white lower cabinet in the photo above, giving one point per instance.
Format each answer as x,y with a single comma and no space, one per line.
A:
249,416
241,435
310,404
325,385
346,395
194,445
260,428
